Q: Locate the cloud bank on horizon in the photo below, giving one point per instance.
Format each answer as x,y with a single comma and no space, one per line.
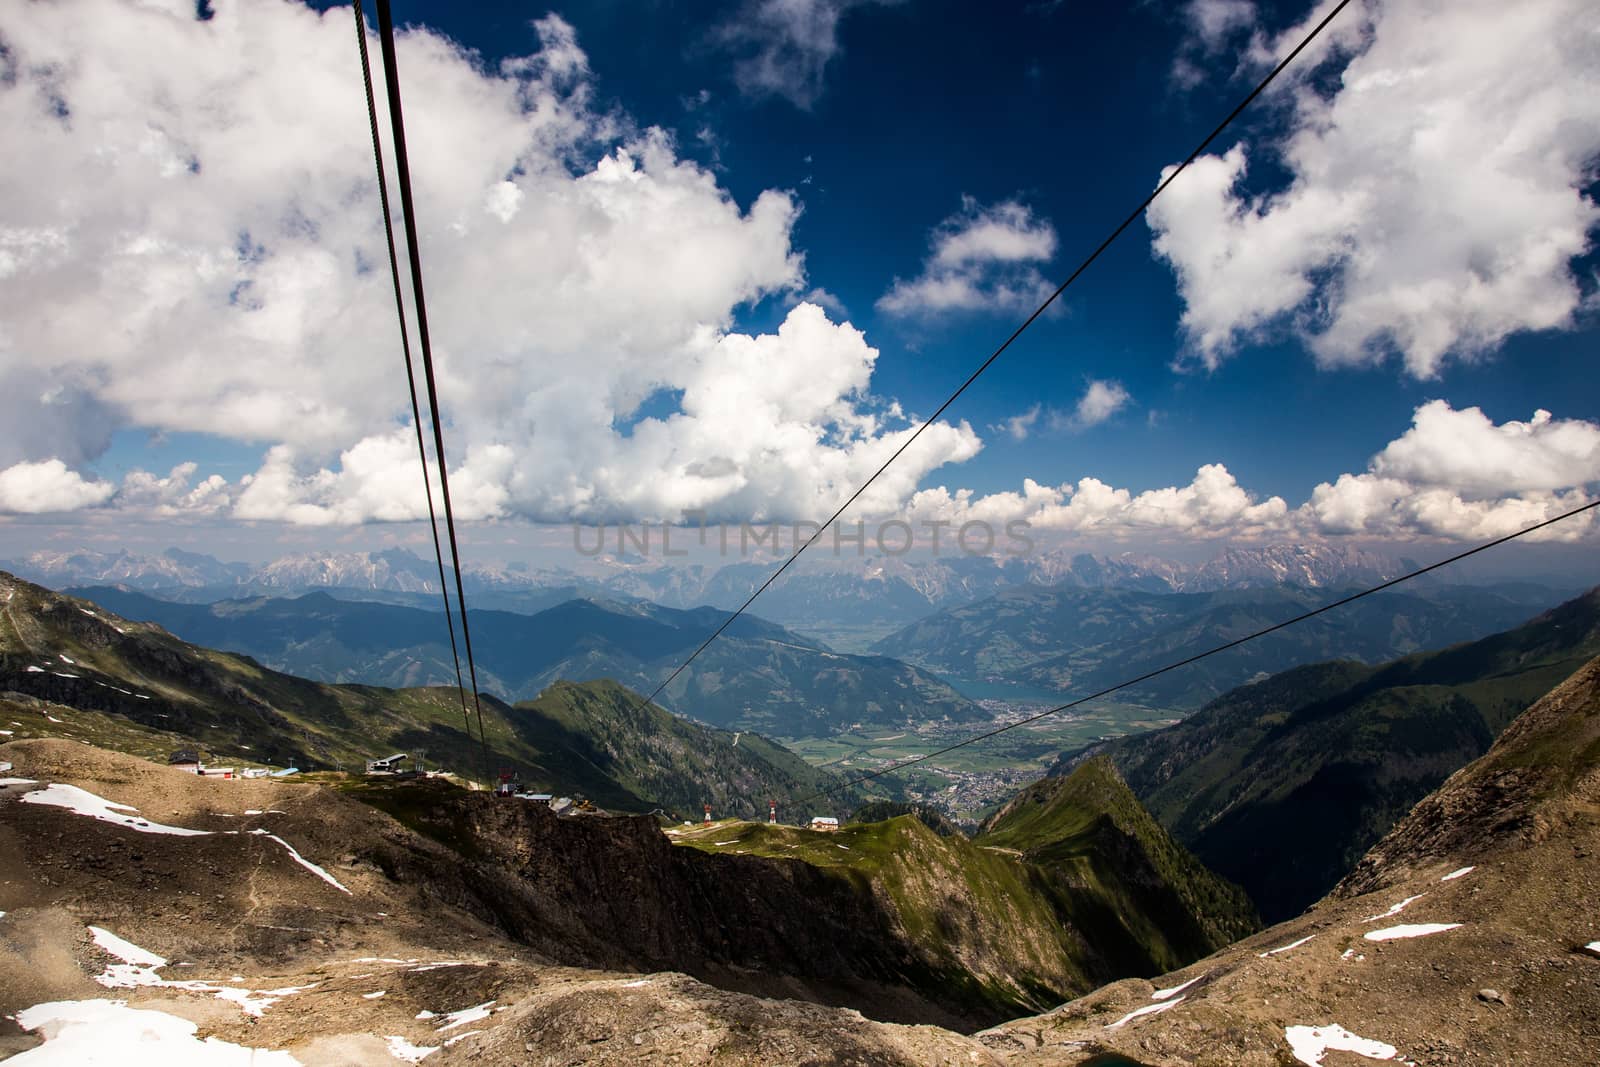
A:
581,269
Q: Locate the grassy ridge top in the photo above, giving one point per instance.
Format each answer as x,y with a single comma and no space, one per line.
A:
1073,884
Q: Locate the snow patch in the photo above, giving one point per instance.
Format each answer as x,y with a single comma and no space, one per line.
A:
302,861
1311,1043
1395,933
1351,954
1163,994
625,985
139,966
374,996
401,1049
34,670
466,1015
65,659
6,733
1290,945
1453,875
83,802
1394,909
250,1002
108,1033
17,781
1148,1009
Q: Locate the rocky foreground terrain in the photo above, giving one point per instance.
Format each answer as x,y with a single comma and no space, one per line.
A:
320,931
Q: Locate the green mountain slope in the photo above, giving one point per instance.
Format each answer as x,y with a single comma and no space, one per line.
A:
76,670
1075,886
1069,639
756,676
1282,785
1093,839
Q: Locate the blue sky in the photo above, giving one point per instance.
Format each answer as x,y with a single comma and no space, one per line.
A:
863,145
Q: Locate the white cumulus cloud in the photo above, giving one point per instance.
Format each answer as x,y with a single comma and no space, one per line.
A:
1466,450
41,488
1453,476
1100,401
1459,475
1212,505
190,241
1019,426
981,258
1435,196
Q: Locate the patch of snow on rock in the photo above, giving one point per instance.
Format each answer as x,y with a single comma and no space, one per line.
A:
373,996
1148,1009
1394,909
1285,948
138,966
302,861
1453,875
466,1015
1163,994
1311,1043
108,1033
83,802
401,1049
249,1001
1395,933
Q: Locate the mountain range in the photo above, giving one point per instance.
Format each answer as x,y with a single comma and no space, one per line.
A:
1283,784
1464,936
72,667
757,675
847,600
1071,640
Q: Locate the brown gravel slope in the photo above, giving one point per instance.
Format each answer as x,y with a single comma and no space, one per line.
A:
234,911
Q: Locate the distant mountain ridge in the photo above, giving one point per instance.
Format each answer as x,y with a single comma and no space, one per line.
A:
81,671
1283,784
1067,639
823,593
756,676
